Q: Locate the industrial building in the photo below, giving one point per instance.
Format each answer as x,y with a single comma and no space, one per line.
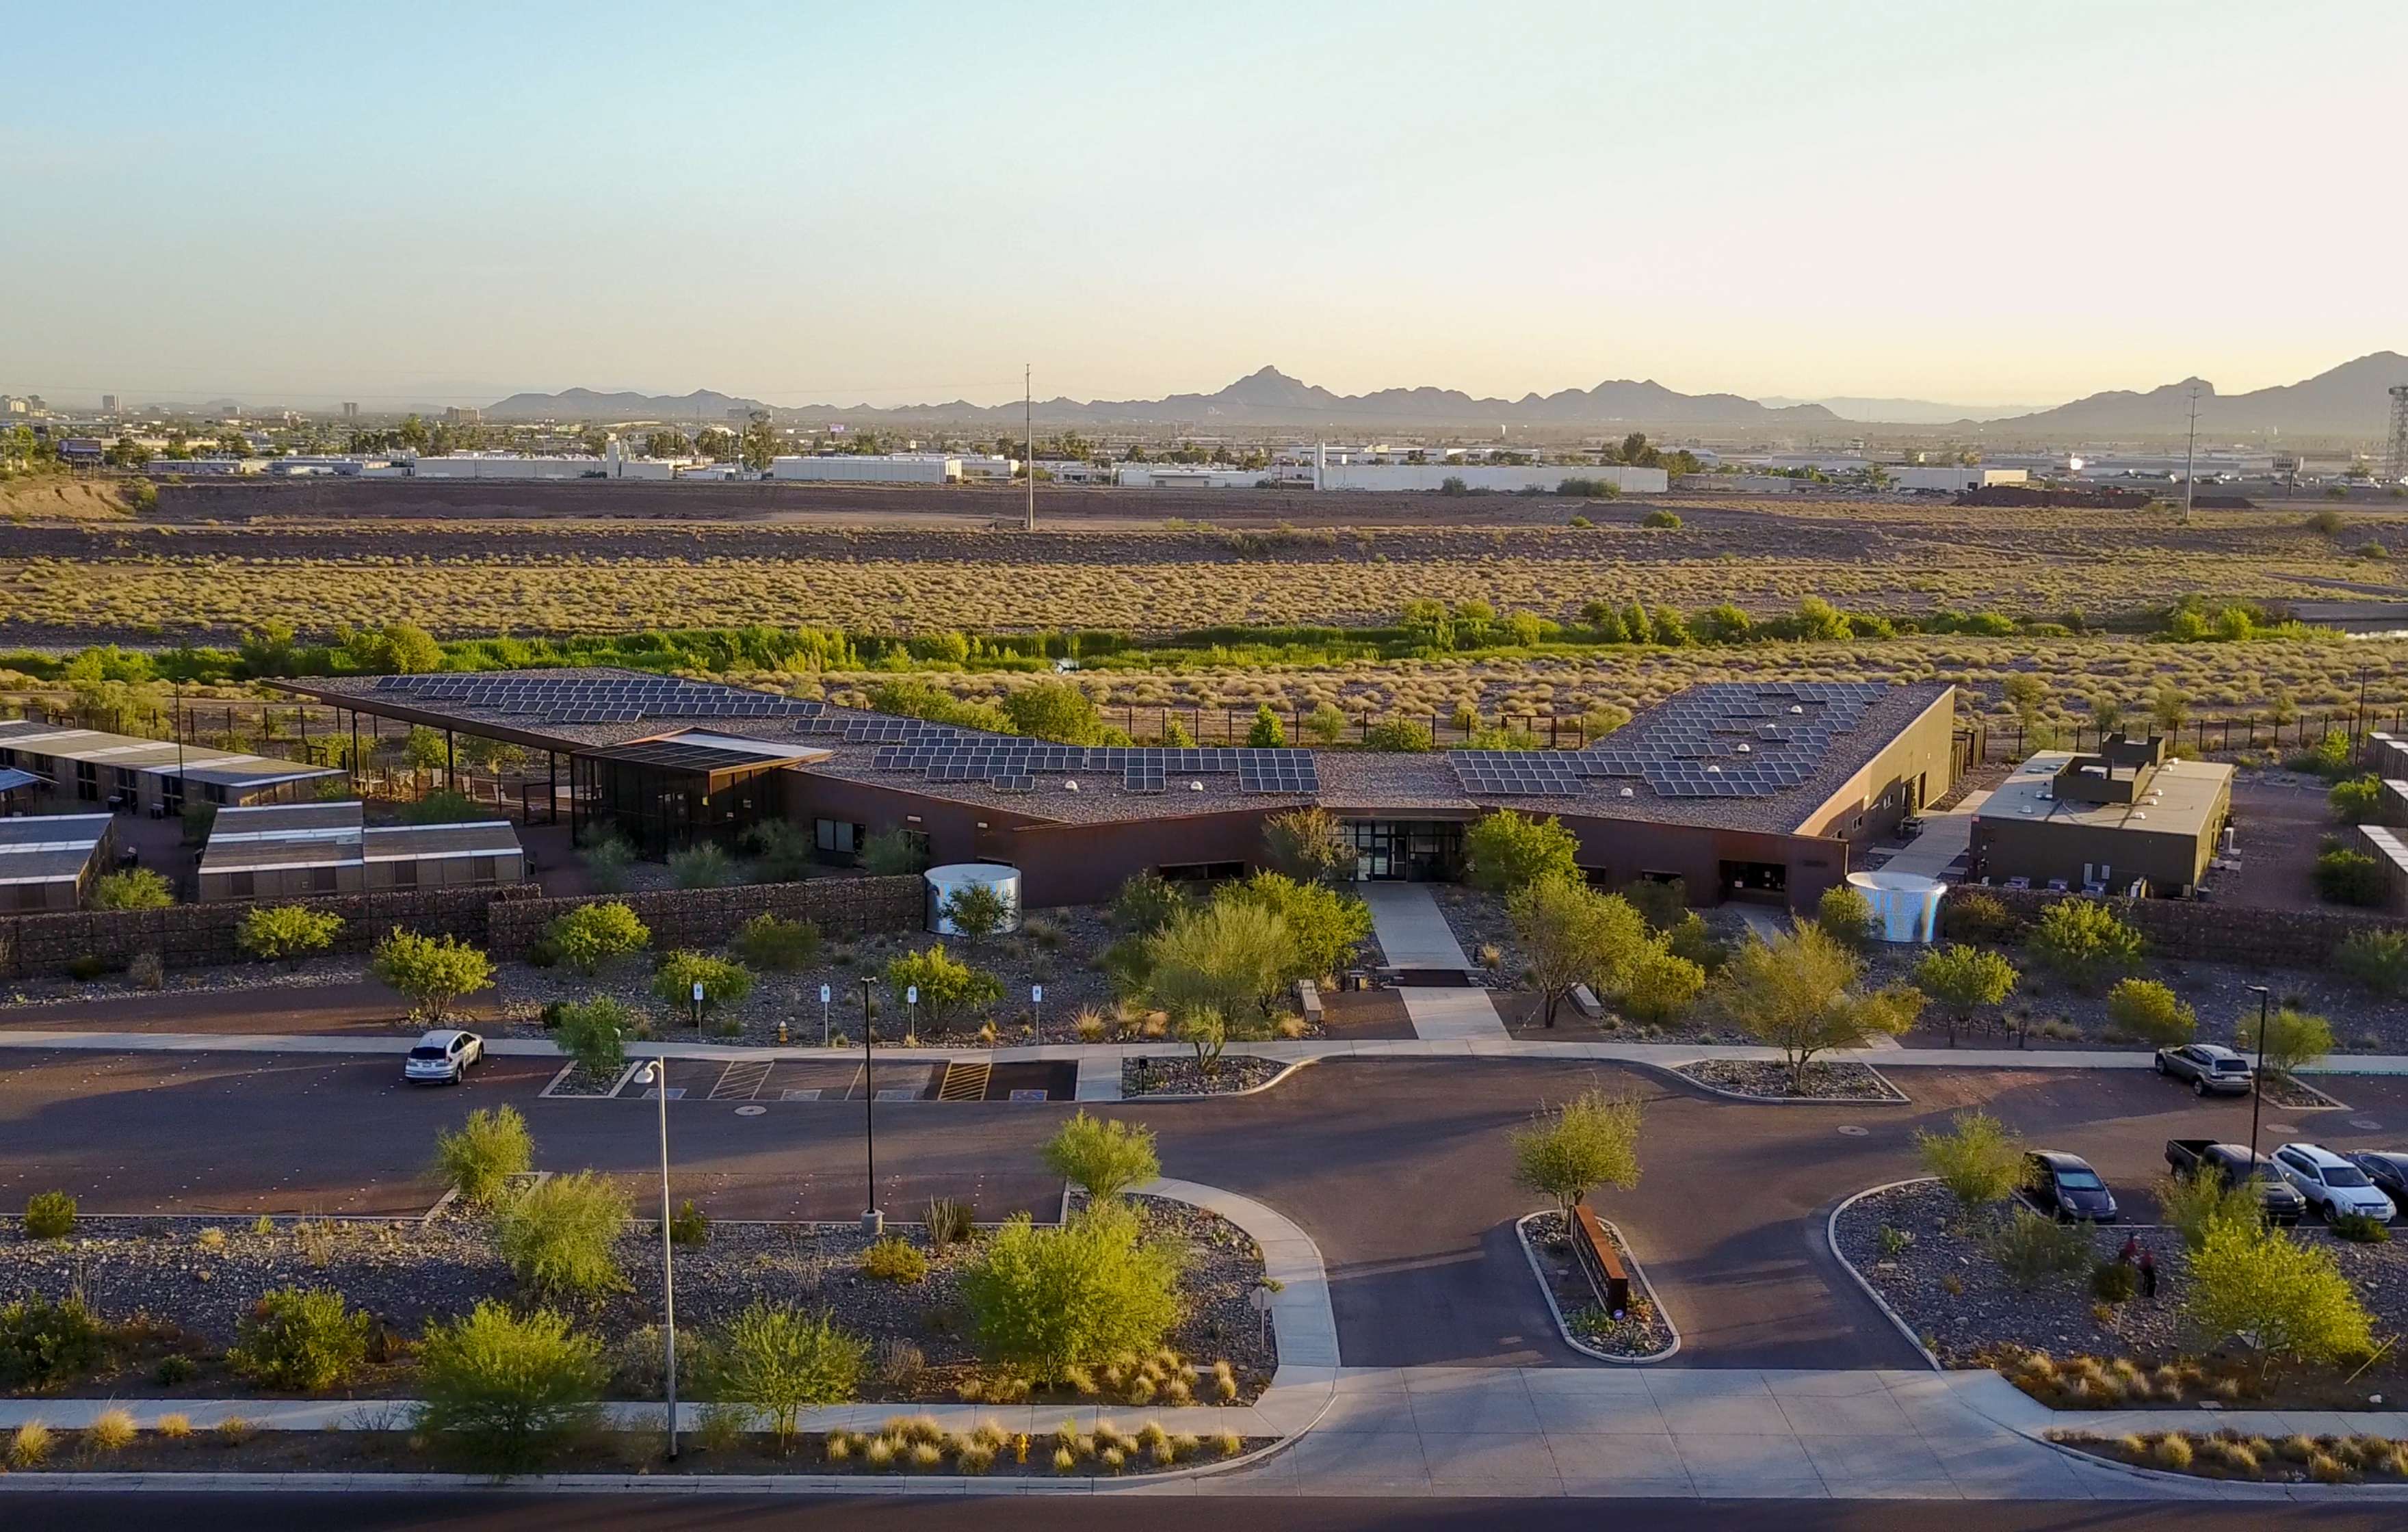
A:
1952,479
1332,472
1753,791
156,776
48,862
2129,819
287,850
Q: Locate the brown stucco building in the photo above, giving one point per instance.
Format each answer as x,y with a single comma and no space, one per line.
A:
2102,822
1741,790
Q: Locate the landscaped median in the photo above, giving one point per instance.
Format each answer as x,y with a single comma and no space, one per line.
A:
512,1335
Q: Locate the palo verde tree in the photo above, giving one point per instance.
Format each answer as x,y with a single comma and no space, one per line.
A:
1307,845
1571,936
1102,1156
1801,992
1587,1143
1962,978
1502,850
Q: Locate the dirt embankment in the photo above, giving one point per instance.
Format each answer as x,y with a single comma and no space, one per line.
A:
60,498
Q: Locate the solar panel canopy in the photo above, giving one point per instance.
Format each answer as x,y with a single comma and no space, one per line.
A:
1732,740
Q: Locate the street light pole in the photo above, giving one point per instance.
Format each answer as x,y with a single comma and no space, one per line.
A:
2257,1076
873,1221
656,1074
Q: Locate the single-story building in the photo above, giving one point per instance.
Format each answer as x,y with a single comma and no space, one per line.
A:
289,850
1748,790
49,860
2128,815
158,776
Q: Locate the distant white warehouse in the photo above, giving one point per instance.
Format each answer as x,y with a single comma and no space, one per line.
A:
889,468
1497,478
509,466
1953,479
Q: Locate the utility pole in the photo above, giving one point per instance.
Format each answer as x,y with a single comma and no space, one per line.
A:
2190,456
1028,405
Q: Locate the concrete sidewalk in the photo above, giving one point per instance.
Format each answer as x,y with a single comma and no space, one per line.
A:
1413,933
1945,838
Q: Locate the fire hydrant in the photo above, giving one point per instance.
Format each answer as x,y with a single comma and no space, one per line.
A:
1020,1446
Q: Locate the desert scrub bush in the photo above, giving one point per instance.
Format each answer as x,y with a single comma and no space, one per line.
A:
1102,1156
689,1225
2358,1228
594,1032
2083,943
950,1221
301,1340
43,1342
2172,1452
50,1215
111,1431
949,988
2291,1299
781,1361
2376,959
723,984
479,1157
1661,521
590,935
1962,978
707,865
2293,1038
2345,875
2147,1010
430,972
132,888
1981,917
286,933
507,1390
558,1236
1504,851
2191,1205
30,1446
2113,1281
1978,1160
1044,1300
1398,736
2355,800
2031,1250
1846,916
1589,1141
895,1259
778,945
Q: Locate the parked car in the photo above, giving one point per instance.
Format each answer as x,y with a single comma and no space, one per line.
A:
442,1057
2208,1066
2065,1187
2387,1169
2331,1184
2231,1164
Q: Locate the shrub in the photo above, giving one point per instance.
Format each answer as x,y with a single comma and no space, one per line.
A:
30,1445
2031,1250
1307,845
1663,984
1146,903
977,912
780,1361
1981,917
509,1391
2083,943
1266,732
947,985
2355,800
558,1236
1962,978
1587,1143
2191,1205
707,865
1662,519
2377,959
894,853
132,888
299,1339
723,984
595,1033
1979,1159
1799,992
590,935
950,1221
478,1158
1102,1156
1504,851
1398,736
1326,725
1222,966
2294,1038
42,1342
430,972
895,1259
50,1215
110,1431
2360,1229
1045,1300
2345,875
2114,1282
689,1225
1326,926
286,933
607,860
781,946
2328,757
146,970
2146,1009
1846,917
784,851
2291,1299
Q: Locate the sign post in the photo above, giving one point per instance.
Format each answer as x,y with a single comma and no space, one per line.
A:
697,1005
912,998
824,996
1037,1008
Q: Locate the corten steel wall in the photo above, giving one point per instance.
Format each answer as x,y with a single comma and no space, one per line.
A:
1620,850
707,917
1925,748
2042,849
2191,930
951,828
196,935
1087,864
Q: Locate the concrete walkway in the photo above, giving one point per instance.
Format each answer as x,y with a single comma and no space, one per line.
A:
1411,931
1944,839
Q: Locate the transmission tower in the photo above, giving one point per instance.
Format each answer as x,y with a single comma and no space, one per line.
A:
2395,466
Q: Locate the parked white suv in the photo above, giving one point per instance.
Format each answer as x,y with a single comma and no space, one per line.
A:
442,1057
2331,1184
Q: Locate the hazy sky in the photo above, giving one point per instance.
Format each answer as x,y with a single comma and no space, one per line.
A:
1969,200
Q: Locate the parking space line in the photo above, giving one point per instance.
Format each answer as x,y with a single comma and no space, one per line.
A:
740,1081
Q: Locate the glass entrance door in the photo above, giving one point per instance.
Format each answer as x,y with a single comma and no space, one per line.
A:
1406,850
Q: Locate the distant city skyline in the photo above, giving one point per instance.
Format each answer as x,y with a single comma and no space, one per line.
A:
1983,206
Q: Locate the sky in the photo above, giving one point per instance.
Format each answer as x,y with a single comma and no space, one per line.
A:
1964,200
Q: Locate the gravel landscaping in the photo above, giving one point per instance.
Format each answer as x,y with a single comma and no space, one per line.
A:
2237,1456
1177,1075
1949,1291
196,1279
1641,1332
1770,1080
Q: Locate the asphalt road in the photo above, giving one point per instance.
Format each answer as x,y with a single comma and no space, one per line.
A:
529,1512
1400,1170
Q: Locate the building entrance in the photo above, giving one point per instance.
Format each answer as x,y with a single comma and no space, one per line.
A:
1406,850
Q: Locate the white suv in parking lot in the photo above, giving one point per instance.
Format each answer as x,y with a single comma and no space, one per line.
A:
2331,1184
442,1057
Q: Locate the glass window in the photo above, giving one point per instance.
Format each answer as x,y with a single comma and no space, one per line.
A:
2345,1175
2078,1180
241,885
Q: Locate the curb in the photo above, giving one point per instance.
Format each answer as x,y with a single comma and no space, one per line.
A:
1832,1242
1279,1078
1896,1098
1522,1232
2326,1493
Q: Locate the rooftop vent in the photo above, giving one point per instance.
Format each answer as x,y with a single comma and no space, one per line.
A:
1747,750
1196,787
1069,786
1797,710
1626,793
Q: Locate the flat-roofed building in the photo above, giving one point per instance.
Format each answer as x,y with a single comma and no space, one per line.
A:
47,860
120,772
2102,822
289,850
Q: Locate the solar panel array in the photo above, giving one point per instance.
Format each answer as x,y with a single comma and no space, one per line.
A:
594,699
1725,740
942,754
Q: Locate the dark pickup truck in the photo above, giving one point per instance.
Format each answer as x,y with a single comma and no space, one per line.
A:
2230,1165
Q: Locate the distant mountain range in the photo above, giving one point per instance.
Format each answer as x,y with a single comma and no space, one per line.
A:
2351,399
